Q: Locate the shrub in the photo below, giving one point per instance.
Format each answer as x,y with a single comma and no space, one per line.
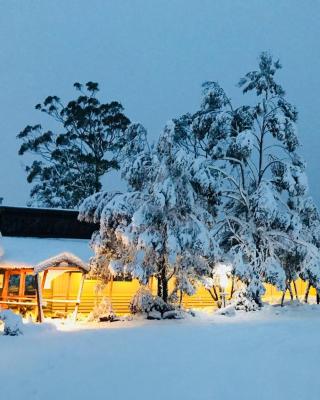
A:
12,323
143,302
102,312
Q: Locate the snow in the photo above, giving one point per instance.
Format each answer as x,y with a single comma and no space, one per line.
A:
12,323
28,252
61,259
272,354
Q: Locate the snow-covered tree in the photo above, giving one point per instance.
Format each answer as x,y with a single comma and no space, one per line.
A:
309,257
246,161
84,145
224,186
161,227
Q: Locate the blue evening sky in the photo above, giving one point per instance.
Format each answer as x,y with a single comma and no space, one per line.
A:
151,55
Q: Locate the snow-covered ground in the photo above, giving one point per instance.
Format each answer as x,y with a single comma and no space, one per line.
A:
272,354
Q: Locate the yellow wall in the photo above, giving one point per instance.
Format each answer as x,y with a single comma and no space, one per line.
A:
122,293
272,295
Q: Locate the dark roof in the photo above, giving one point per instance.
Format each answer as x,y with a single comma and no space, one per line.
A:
43,222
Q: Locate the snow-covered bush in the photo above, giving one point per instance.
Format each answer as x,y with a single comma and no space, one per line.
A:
153,307
13,325
245,301
102,312
143,302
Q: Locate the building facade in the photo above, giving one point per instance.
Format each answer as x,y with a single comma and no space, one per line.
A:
44,260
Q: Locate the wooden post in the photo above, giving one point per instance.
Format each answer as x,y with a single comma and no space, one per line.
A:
44,279
39,299
6,285
43,282
22,287
68,292
76,309
110,291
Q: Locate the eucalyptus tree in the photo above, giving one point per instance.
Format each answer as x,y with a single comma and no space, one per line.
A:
70,160
246,161
159,228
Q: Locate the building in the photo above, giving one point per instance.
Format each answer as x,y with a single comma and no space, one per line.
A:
46,251
44,262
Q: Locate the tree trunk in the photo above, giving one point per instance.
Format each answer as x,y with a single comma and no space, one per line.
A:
215,296
290,291
306,295
295,289
165,290
261,149
163,284
257,299
282,297
159,288
232,288
181,298
288,287
215,292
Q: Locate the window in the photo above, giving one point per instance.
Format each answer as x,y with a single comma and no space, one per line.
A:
14,285
30,285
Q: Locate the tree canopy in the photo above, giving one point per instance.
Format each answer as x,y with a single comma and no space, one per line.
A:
71,159
223,191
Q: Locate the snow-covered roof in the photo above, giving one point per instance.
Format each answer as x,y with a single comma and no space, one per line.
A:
25,252
61,260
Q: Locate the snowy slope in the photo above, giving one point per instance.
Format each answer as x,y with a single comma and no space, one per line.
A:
268,355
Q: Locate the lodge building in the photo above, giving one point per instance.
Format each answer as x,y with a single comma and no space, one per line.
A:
44,261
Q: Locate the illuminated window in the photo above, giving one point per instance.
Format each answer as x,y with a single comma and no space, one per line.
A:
14,285
30,285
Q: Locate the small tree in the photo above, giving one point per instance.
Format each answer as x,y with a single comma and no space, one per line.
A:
70,162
